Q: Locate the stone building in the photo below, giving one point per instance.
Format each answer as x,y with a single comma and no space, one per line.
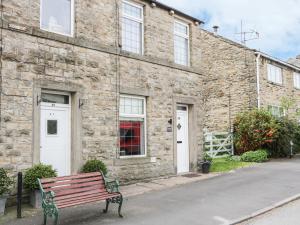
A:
118,81
131,82
238,78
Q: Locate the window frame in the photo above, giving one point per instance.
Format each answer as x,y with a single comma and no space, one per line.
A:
182,36
144,116
278,107
295,83
72,20
270,67
141,21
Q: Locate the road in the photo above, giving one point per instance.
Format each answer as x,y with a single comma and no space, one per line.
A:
209,202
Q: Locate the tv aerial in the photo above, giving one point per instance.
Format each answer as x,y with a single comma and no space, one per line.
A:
247,35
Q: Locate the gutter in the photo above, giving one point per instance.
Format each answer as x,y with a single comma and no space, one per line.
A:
258,79
278,61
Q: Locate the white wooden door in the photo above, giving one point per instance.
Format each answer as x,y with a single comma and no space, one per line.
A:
55,137
183,155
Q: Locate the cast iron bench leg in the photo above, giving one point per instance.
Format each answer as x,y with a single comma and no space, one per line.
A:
120,206
106,208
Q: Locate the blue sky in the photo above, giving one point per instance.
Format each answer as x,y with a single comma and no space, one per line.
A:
277,21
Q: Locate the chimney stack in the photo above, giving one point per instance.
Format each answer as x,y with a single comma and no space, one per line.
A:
216,28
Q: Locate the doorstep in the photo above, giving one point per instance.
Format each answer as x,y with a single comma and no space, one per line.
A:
163,183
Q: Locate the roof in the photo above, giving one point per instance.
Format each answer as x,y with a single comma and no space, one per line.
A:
177,12
278,60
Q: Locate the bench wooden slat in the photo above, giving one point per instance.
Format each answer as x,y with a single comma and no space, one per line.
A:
79,176
73,181
58,198
70,200
80,202
78,190
75,186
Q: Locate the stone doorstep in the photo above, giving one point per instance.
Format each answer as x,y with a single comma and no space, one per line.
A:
161,184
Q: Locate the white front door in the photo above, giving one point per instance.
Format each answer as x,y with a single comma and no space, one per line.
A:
55,132
183,161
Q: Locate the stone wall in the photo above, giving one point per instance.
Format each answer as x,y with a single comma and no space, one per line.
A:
272,94
230,85
91,65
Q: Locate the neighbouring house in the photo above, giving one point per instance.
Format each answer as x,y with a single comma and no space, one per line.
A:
238,78
132,83
119,81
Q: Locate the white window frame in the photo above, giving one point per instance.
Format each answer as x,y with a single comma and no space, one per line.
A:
278,107
141,21
271,67
72,20
187,36
144,116
296,85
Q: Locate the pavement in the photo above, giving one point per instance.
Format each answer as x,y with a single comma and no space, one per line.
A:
285,215
215,201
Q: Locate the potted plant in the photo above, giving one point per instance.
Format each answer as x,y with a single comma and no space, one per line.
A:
30,181
5,185
94,165
205,165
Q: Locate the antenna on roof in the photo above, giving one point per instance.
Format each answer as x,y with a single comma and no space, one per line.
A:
247,35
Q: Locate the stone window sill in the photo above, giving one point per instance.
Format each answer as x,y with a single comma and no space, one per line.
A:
276,84
132,161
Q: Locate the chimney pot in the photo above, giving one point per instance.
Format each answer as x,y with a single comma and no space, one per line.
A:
215,29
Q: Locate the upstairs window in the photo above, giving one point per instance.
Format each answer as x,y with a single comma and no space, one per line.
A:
132,27
274,74
57,16
132,126
276,111
181,43
297,80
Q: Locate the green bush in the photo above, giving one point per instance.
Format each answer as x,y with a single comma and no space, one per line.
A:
37,171
94,166
253,129
5,182
255,156
288,130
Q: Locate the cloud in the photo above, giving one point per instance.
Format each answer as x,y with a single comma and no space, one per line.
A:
278,22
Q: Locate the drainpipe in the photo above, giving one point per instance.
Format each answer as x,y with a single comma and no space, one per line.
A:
258,79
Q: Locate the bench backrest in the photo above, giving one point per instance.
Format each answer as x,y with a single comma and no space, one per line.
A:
72,185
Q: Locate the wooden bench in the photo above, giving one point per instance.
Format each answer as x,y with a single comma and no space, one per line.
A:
62,192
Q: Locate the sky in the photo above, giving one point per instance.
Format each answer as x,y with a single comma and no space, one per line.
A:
276,21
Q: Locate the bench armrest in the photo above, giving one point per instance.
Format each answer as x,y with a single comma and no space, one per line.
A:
112,185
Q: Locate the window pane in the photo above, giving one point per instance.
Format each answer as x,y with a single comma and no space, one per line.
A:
132,137
274,74
56,16
131,36
134,106
181,28
181,50
51,127
52,98
132,11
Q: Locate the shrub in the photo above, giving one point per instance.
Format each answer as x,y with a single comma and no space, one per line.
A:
255,156
37,171
288,130
253,129
94,166
5,182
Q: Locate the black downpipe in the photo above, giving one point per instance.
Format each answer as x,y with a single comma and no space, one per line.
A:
19,195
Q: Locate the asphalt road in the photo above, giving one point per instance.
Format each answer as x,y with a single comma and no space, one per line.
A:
210,202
